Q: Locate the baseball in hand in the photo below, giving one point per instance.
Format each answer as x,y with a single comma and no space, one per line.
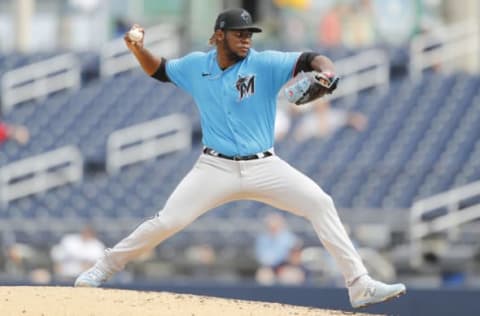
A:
135,35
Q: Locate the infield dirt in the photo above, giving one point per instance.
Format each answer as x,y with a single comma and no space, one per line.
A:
68,301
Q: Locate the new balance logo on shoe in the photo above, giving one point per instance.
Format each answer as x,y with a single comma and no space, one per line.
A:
370,291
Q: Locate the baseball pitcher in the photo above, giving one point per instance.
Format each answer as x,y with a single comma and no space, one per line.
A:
235,89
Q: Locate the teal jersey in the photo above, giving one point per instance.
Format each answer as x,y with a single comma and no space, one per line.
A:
237,105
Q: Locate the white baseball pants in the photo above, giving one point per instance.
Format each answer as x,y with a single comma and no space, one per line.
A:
214,181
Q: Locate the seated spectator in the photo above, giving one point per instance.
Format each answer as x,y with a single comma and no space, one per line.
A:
323,121
18,259
273,247
75,253
18,133
23,262
293,271
203,257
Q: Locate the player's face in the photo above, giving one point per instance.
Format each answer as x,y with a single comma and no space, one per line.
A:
237,44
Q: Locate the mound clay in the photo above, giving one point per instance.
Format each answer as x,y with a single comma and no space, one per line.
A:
68,301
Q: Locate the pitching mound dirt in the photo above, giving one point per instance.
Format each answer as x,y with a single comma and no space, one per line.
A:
68,301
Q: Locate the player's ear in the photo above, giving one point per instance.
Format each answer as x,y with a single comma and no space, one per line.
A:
220,35
217,36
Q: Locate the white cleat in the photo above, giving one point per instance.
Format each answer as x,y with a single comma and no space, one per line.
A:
93,277
366,291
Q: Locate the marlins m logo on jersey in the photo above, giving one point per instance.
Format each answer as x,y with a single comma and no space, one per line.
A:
245,86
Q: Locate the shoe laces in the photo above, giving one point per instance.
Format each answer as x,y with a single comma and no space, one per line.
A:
97,274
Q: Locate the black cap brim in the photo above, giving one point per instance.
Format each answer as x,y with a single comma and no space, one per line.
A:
252,29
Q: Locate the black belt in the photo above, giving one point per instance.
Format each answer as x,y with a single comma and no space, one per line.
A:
211,152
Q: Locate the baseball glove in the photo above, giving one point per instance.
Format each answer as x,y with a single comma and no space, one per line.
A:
311,86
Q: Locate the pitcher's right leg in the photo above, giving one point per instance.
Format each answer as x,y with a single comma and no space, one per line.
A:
190,199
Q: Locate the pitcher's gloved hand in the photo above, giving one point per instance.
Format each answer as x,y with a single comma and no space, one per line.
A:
311,86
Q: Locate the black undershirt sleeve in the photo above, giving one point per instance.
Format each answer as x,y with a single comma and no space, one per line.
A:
161,73
304,62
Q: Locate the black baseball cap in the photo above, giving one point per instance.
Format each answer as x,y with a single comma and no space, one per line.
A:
236,19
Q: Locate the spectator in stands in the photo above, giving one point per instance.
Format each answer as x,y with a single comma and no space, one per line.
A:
293,271
18,133
203,258
358,25
18,258
273,247
23,262
323,121
330,27
76,252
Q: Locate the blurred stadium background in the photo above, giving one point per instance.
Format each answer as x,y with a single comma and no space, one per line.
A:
108,144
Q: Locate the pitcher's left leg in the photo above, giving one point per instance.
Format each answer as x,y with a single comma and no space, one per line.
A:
282,186
277,183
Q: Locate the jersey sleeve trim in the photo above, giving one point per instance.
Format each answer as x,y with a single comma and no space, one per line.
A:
304,62
161,73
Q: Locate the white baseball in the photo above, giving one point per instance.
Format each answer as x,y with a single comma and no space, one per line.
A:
135,35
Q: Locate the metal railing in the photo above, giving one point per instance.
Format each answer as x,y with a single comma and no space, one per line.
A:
40,173
444,44
368,69
454,216
162,39
148,140
39,80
